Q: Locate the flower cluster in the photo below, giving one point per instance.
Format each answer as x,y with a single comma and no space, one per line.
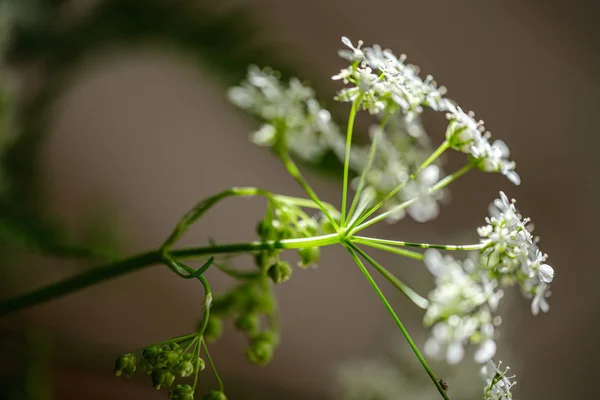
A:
498,383
460,309
386,85
292,118
511,255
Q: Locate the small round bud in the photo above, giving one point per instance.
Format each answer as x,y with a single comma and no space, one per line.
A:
309,256
215,395
249,323
182,392
280,272
261,350
214,329
150,357
125,365
184,368
170,356
162,377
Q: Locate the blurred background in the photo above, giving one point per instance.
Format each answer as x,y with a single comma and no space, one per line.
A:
118,124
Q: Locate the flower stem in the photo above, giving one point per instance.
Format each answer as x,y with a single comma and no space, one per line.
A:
388,306
113,270
351,119
212,366
413,296
438,152
441,184
466,247
374,244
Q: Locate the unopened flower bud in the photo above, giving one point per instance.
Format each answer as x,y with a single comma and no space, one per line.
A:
185,367
182,392
169,356
215,395
214,329
249,323
280,272
261,350
150,357
125,365
162,377
309,256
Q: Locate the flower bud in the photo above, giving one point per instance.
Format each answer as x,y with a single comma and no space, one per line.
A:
182,392
169,356
125,365
150,357
185,367
162,377
215,395
280,272
214,329
309,256
249,323
261,350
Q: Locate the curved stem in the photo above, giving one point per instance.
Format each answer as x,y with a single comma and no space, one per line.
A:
295,172
113,270
388,306
459,247
441,184
351,119
413,296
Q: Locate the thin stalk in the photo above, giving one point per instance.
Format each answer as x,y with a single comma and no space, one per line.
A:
295,173
441,184
438,152
453,247
212,366
138,262
390,249
351,119
196,352
389,308
413,296
365,171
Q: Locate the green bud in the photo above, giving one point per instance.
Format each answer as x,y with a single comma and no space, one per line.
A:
309,256
214,329
280,272
125,365
170,356
150,357
184,368
162,377
215,395
261,349
264,229
249,323
182,392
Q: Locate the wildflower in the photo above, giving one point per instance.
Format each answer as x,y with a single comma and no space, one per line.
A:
498,384
511,255
460,309
291,115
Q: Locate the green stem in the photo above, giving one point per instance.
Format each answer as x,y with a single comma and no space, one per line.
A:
413,296
388,306
403,252
113,270
196,352
295,172
364,173
466,247
351,119
441,184
212,366
438,152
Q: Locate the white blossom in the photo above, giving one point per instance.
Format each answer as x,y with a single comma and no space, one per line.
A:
511,255
498,383
460,309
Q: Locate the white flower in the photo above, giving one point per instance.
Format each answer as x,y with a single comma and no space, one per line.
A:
511,255
498,384
460,309
287,109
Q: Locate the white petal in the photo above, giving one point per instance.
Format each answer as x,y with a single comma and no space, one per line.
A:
546,273
455,353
